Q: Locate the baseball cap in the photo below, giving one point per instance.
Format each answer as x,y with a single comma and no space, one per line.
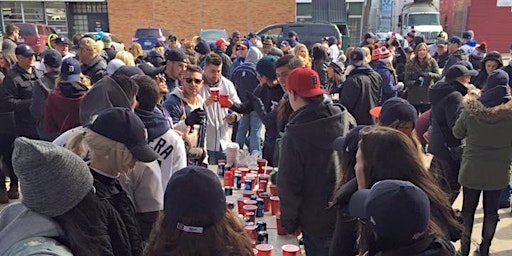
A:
459,70
124,126
305,82
220,42
114,65
191,191
348,143
455,40
285,43
369,35
395,109
172,37
397,210
61,40
70,70
176,55
245,43
251,35
52,58
292,33
24,50
356,57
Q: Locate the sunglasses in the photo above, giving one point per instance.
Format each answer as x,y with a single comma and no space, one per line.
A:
196,81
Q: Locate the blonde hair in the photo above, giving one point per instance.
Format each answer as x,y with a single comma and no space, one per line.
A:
305,60
90,45
136,50
126,57
101,149
367,55
160,50
85,80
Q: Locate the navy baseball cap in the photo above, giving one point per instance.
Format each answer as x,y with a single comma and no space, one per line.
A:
24,50
61,40
176,55
191,191
52,58
397,210
395,109
285,43
455,40
350,142
124,126
356,57
70,70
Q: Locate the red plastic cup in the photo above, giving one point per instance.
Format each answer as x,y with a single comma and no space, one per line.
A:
274,202
261,163
264,249
240,205
266,200
250,215
215,92
267,169
273,190
252,231
229,179
280,229
244,171
224,101
263,180
290,250
247,193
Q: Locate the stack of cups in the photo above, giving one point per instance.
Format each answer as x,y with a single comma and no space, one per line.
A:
232,150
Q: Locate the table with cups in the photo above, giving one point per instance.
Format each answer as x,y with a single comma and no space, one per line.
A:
249,193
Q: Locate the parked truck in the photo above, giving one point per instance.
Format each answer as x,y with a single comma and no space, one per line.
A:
423,17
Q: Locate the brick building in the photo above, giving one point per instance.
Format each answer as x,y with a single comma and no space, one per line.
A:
186,18
484,17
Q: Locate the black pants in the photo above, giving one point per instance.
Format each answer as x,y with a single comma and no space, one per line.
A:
6,148
447,175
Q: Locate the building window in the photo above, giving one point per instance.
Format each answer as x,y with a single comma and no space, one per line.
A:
56,17
354,25
89,8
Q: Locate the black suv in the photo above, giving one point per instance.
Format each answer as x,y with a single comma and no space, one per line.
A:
308,32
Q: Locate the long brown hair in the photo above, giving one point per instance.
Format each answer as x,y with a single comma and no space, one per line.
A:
10,59
417,61
227,237
391,154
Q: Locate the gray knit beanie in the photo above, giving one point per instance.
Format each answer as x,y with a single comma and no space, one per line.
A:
53,179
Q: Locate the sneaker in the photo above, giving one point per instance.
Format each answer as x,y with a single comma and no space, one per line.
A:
13,192
4,199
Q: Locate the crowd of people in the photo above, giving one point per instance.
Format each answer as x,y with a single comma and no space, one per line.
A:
110,147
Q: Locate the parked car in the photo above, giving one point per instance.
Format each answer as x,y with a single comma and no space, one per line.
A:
116,42
147,37
35,35
308,32
211,35
381,36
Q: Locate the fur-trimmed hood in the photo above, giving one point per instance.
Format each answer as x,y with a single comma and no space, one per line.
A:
489,115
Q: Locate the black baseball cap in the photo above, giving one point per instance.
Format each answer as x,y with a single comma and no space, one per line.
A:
191,191
61,40
52,58
24,50
459,70
176,55
124,126
395,109
348,143
356,57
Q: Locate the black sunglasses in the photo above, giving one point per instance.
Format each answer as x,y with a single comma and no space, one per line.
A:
189,80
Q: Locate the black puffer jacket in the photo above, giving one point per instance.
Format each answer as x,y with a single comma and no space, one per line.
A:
446,99
110,189
96,69
454,57
360,93
16,96
308,165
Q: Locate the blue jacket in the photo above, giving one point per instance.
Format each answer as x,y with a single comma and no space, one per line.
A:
388,86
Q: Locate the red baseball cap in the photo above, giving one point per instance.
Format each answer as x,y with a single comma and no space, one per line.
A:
305,82
221,41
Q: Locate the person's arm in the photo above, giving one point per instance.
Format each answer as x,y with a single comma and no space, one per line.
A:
410,76
289,183
388,84
49,124
350,94
179,153
37,106
175,108
460,128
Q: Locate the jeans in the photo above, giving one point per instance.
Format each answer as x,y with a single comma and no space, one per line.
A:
316,245
250,123
214,156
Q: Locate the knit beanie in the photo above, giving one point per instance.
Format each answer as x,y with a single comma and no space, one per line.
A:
202,47
107,41
337,66
493,55
53,179
479,52
267,66
385,56
375,54
496,91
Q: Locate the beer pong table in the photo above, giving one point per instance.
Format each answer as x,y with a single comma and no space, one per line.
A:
273,239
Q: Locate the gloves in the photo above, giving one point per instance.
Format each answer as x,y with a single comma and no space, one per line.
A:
196,117
400,86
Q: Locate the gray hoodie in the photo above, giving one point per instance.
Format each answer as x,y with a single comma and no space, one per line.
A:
25,232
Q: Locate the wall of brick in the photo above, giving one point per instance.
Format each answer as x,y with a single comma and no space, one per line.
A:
186,18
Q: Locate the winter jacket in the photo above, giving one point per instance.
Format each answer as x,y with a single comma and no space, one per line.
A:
16,96
165,142
441,59
446,98
245,79
320,66
454,57
216,127
388,87
508,69
487,156
345,231
480,81
417,90
25,232
111,54
360,93
62,107
109,189
308,166
96,69
106,93
428,246
39,95
178,108
226,62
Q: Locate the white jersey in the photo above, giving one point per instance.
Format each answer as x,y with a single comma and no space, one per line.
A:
172,156
143,185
